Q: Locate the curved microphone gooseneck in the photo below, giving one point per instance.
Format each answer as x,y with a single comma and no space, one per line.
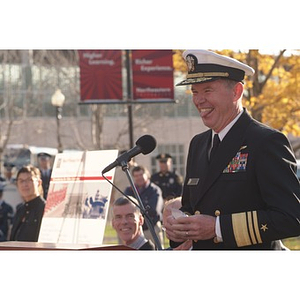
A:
145,145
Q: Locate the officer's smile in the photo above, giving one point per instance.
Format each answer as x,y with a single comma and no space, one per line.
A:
204,112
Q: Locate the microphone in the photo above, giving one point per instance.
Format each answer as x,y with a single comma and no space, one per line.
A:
145,144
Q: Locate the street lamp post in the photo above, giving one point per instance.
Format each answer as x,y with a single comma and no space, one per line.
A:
57,100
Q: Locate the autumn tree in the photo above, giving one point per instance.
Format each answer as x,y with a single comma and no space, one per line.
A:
272,95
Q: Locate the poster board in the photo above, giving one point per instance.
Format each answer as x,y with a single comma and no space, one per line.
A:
78,198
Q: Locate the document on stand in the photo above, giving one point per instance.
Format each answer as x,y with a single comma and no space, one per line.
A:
78,198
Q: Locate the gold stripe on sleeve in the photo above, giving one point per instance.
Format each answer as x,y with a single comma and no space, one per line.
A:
240,230
256,227
251,229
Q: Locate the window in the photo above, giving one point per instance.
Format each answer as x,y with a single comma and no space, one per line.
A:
176,151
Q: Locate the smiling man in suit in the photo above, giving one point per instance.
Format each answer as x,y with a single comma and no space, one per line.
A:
241,190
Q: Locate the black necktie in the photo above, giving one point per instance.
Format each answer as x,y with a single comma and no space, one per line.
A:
216,143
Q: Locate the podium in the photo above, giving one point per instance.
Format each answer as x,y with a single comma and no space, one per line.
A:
28,246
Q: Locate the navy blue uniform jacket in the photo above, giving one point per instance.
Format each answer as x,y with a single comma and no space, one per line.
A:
27,221
251,184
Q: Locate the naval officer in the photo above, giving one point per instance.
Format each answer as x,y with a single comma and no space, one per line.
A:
241,190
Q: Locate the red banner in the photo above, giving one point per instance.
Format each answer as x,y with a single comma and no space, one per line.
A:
152,72
100,75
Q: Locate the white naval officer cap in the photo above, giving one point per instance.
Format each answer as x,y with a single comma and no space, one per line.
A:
204,65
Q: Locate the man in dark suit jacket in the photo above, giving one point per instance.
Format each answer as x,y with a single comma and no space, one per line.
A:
247,195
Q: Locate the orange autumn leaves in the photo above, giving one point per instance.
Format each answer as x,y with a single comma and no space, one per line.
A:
272,95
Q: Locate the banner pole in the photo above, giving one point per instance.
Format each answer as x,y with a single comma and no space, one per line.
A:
129,97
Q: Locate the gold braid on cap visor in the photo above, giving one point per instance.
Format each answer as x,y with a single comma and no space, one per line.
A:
208,74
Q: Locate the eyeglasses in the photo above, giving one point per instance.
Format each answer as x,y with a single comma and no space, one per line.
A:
26,181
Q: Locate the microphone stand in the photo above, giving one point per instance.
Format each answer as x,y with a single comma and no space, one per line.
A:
124,167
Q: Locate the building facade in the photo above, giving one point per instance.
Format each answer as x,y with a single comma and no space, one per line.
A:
28,78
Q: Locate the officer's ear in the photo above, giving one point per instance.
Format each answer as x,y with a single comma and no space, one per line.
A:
238,90
141,220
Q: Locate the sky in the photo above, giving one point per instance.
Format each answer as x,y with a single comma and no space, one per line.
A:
156,24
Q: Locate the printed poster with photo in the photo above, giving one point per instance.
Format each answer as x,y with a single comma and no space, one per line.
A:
78,198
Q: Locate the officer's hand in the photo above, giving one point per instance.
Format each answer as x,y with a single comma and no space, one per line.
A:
185,245
196,227
169,205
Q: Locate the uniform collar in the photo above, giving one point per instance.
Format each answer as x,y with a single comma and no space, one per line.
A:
224,131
